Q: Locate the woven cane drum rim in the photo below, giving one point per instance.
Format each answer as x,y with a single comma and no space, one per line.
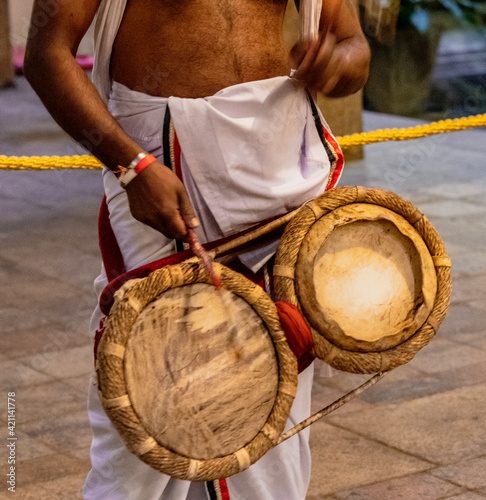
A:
129,303
287,258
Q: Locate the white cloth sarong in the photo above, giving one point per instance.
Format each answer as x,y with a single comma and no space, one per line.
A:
242,162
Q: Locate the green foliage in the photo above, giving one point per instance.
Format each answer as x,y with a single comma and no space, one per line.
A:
416,13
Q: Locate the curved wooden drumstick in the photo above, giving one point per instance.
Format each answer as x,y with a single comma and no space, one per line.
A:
309,13
253,235
333,406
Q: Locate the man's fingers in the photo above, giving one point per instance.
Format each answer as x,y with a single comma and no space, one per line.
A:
298,52
170,224
330,84
176,224
307,60
158,198
324,73
175,228
315,67
325,53
187,211
321,69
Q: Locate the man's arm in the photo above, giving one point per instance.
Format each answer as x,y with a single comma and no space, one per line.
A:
156,195
337,63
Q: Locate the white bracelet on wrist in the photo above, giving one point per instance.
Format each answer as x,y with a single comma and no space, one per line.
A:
139,163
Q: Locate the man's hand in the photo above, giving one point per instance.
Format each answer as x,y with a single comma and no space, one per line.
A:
337,63
318,63
158,198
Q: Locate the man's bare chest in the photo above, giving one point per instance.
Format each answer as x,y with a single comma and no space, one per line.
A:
229,9
204,45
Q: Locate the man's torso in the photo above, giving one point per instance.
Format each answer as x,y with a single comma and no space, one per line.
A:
194,48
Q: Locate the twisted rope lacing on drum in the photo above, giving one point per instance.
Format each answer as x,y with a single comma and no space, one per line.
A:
347,141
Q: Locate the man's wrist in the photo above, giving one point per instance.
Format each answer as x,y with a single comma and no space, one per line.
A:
137,165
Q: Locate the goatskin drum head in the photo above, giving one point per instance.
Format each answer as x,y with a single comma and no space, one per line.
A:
365,278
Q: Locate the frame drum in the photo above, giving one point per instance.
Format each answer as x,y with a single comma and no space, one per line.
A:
369,273
198,382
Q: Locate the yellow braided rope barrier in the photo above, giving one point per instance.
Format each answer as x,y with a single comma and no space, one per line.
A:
405,134
49,162
383,135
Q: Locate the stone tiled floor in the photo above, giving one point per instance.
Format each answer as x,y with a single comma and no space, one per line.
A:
420,434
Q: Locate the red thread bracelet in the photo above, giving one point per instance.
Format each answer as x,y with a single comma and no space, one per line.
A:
129,173
144,163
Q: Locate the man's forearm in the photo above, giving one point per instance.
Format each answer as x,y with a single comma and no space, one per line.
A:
75,104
